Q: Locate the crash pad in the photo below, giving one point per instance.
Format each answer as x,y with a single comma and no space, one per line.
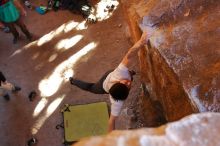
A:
85,120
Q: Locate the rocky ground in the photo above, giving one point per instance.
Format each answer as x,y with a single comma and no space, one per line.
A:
64,46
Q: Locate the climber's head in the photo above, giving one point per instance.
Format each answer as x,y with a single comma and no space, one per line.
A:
120,90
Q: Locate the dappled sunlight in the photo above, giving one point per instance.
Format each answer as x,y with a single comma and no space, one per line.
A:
22,49
35,56
60,29
70,26
53,106
49,86
64,28
46,38
68,43
52,57
101,12
82,25
73,59
40,106
68,73
50,110
62,72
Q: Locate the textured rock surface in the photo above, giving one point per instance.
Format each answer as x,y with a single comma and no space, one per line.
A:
195,130
181,69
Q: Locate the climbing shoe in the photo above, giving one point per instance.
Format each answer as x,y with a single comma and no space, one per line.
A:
32,95
16,89
6,97
32,141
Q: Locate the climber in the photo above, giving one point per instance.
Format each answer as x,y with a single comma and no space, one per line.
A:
116,82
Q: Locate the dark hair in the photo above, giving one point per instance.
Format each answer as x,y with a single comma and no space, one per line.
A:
119,91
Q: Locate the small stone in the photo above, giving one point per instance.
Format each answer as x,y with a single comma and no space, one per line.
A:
32,95
119,25
32,141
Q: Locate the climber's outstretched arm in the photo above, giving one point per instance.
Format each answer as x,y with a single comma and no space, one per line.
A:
127,60
111,123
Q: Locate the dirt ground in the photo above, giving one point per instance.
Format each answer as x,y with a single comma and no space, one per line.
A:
45,64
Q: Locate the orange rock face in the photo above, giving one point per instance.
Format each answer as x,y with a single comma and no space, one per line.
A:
180,66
